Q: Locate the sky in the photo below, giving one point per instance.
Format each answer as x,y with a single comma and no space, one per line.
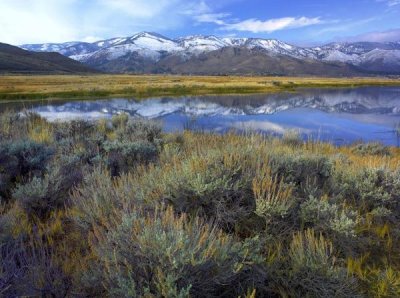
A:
302,22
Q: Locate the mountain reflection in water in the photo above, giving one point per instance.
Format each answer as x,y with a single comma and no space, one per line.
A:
340,116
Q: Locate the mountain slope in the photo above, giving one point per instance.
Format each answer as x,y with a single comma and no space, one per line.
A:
152,52
16,60
241,60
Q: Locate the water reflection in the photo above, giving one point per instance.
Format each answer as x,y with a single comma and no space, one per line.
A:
336,115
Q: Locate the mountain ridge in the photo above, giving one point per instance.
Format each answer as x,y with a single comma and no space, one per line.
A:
149,48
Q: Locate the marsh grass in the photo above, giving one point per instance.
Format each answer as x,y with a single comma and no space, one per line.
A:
193,214
41,87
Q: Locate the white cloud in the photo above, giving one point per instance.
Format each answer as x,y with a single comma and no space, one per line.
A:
383,36
27,20
272,25
255,25
196,8
37,21
343,26
390,2
138,8
216,18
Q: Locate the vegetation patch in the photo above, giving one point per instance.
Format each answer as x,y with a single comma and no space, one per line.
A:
118,208
141,86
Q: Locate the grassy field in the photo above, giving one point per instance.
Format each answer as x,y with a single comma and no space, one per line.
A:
116,208
44,87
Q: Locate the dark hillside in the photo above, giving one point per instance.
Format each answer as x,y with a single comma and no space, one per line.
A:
16,60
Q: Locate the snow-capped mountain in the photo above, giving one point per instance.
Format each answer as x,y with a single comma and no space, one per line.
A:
142,49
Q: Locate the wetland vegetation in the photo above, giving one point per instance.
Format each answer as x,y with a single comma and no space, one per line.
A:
90,86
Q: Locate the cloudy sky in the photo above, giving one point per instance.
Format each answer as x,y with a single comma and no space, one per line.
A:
297,21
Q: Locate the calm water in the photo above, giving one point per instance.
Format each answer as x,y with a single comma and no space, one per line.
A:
340,116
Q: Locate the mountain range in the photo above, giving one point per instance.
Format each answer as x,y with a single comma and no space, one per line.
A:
153,53
16,60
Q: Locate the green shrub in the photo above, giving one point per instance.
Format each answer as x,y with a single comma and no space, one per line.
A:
274,201
344,223
74,129
20,159
324,216
313,272
369,188
317,212
213,185
382,213
40,196
136,129
34,197
32,157
120,120
12,125
292,138
298,169
124,156
96,200
166,255
371,149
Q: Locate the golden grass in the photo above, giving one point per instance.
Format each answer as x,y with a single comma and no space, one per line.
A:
76,86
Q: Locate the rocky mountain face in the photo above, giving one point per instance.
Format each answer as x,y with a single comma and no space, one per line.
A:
16,60
153,53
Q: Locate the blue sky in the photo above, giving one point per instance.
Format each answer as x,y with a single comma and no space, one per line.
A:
297,21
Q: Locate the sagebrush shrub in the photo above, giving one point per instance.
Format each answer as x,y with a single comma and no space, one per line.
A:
323,215
120,120
369,188
96,200
40,196
317,212
74,129
34,197
371,149
299,168
163,254
138,129
274,200
20,159
213,185
292,138
313,272
12,125
124,156
32,157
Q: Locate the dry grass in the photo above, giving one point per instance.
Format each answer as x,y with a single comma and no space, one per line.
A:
74,86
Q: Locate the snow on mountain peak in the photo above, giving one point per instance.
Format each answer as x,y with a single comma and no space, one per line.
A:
154,46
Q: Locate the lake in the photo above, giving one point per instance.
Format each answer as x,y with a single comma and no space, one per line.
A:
340,116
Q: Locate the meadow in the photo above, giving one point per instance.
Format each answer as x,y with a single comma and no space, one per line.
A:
117,208
74,86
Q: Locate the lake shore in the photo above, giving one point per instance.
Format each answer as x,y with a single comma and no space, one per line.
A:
23,87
